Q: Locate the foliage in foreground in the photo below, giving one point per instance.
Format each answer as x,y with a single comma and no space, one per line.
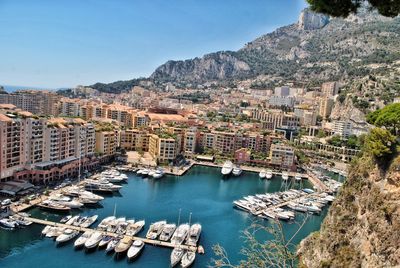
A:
278,251
343,8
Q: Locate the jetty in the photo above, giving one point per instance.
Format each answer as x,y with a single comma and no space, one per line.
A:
82,229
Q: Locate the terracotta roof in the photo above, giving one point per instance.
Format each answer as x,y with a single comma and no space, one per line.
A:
5,118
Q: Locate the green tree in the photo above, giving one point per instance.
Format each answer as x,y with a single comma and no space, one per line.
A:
380,144
388,117
343,8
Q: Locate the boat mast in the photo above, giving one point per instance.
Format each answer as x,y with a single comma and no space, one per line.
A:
179,217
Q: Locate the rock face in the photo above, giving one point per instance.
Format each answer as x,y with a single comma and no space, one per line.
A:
346,111
314,48
210,67
362,228
311,21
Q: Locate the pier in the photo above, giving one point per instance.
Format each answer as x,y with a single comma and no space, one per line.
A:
82,229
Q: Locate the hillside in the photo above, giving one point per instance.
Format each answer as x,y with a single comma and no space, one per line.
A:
362,228
314,48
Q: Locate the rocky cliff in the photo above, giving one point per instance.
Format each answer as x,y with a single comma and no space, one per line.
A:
362,228
313,48
309,20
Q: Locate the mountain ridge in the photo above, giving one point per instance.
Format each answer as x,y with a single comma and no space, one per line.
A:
315,48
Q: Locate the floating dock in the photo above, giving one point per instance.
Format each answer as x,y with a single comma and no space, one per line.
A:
82,229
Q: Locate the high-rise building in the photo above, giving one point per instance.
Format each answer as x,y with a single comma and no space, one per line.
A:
330,89
325,107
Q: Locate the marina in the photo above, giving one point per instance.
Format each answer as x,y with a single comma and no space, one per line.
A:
138,199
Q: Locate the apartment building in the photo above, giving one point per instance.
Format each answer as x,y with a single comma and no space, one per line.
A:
12,149
135,140
325,107
342,128
330,89
106,142
38,102
163,147
273,119
282,155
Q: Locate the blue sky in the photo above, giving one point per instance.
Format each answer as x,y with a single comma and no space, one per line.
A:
64,43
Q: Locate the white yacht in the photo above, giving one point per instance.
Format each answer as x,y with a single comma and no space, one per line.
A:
176,256
94,240
167,232
180,234
105,240
297,177
262,174
80,242
104,223
135,249
237,171
89,221
158,174
194,234
268,174
155,229
8,224
285,175
188,259
151,173
66,236
135,228
227,168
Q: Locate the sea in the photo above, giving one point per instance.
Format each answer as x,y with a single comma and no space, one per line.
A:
201,192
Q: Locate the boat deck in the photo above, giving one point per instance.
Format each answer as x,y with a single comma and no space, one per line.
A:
82,229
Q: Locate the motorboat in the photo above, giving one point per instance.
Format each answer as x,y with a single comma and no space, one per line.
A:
112,244
176,256
66,201
180,234
158,174
145,172
262,174
227,168
135,249
80,242
121,229
20,220
46,229
135,228
194,234
93,240
89,221
72,220
155,229
66,236
53,206
105,240
237,171
167,232
151,173
55,231
105,222
101,186
188,259
297,177
268,174
123,245
65,219
8,224
113,225
285,175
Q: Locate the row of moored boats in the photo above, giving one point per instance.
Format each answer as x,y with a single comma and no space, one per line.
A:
154,173
14,221
123,241
282,205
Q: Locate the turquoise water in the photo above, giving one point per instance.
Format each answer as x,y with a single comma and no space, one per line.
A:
201,191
